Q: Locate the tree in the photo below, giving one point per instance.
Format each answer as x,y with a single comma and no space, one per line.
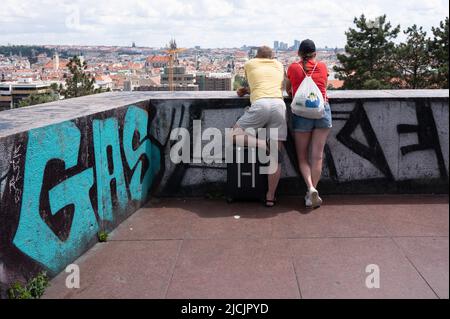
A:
368,60
34,99
80,82
439,52
413,60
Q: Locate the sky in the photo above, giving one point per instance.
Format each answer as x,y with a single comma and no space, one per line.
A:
207,23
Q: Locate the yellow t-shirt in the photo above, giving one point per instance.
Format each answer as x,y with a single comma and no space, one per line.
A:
265,78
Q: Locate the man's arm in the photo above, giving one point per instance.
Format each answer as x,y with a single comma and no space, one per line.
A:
288,84
245,89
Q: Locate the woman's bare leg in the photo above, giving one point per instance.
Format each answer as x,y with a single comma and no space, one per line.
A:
318,141
302,141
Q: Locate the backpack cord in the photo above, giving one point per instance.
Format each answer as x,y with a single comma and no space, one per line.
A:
311,71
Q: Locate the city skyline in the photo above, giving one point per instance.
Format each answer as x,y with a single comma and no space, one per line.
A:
204,23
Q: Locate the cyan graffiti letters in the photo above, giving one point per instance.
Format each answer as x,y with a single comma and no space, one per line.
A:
62,143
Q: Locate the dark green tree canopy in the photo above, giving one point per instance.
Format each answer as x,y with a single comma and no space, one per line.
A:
413,60
80,82
373,61
439,51
368,61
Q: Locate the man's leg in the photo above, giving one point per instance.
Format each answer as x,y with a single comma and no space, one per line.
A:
242,138
273,180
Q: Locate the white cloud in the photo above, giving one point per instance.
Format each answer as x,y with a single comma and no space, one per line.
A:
209,23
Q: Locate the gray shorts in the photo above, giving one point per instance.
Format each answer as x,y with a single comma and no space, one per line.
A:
266,113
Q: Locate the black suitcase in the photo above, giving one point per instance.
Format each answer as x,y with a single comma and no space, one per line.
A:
244,180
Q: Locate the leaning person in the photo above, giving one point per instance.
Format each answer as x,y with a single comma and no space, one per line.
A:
265,76
310,134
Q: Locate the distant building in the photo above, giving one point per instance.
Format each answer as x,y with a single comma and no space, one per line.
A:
214,81
128,85
182,81
276,45
190,87
335,84
103,82
296,45
56,64
283,46
11,93
156,61
180,77
133,82
252,52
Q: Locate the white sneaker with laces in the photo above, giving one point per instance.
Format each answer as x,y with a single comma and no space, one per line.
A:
315,198
308,202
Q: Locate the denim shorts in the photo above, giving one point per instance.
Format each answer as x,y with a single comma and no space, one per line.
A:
302,124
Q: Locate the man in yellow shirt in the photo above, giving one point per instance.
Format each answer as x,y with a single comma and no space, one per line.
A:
265,77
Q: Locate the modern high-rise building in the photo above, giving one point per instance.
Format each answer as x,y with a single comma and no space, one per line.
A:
214,81
296,45
276,45
11,93
252,52
182,81
180,77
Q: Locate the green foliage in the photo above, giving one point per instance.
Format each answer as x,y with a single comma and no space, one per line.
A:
79,83
413,60
34,99
373,61
215,194
439,52
102,236
17,291
34,289
368,61
239,81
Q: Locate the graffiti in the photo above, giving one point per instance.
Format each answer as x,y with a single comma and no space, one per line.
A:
15,169
350,143
428,138
373,151
33,236
57,212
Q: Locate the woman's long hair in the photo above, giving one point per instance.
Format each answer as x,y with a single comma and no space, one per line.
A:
305,58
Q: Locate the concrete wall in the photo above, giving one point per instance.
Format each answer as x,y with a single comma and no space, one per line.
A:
71,168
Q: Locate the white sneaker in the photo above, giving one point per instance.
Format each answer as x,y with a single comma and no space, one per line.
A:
315,198
308,202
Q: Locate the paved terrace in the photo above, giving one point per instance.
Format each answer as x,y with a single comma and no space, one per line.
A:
196,248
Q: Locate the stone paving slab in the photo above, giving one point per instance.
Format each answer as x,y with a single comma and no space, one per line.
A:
242,268
203,248
128,269
336,268
430,257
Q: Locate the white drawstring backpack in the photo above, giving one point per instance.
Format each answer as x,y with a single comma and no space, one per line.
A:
308,101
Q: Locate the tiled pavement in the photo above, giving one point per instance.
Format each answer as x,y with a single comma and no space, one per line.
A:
196,248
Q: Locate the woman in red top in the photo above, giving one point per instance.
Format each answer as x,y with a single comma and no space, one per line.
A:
310,134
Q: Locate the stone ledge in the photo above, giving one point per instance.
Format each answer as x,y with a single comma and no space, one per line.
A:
23,119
